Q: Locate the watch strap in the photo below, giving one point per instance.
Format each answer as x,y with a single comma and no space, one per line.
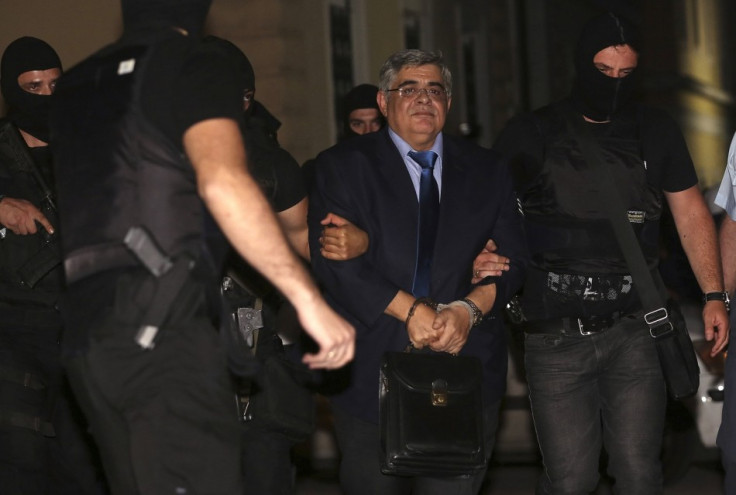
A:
718,296
477,313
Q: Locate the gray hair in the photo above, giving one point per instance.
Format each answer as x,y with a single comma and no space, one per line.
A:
413,58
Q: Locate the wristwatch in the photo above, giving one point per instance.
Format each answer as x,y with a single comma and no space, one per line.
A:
718,296
477,313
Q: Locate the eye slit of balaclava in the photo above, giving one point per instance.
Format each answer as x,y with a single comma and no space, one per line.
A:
361,96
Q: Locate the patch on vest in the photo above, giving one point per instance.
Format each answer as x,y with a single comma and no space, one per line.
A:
636,216
126,66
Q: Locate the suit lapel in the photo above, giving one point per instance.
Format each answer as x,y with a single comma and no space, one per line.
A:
451,212
452,188
393,171
397,208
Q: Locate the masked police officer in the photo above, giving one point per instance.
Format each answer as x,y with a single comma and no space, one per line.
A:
152,169
40,438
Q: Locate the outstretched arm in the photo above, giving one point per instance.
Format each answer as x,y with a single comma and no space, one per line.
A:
215,148
698,237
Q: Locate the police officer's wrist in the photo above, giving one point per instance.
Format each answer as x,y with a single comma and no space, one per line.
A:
718,296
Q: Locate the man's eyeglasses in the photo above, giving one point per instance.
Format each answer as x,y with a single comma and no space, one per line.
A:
438,94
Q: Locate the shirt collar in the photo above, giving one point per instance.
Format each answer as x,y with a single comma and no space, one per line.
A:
404,147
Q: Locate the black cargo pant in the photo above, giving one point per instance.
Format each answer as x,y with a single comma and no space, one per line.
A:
163,418
43,444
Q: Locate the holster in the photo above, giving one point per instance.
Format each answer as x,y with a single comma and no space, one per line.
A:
271,396
41,263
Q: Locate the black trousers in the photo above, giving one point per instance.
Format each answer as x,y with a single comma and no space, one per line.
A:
164,419
43,444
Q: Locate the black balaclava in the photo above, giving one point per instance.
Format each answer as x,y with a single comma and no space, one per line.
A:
238,59
361,96
594,94
246,79
27,111
146,14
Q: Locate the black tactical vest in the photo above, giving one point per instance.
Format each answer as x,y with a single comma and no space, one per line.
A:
577,266
114,169
30,265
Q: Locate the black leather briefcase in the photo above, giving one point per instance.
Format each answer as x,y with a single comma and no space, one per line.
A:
431,414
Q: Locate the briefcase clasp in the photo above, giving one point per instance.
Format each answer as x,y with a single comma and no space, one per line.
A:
439,393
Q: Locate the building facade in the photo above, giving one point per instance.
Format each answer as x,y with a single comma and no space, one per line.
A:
506,56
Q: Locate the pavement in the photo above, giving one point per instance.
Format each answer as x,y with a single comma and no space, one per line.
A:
520,479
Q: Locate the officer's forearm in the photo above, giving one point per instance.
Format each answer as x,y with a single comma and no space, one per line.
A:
240,209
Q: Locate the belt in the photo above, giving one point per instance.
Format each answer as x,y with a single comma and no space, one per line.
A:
573,326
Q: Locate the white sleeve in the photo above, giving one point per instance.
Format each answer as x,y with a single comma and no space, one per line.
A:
726,197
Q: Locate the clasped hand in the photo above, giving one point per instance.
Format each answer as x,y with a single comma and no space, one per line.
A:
445,331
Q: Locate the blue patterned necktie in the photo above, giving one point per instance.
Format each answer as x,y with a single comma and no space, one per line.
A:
429,208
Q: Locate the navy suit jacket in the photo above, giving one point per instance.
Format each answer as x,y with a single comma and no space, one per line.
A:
365,180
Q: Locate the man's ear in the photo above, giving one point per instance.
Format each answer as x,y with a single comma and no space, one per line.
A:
382,102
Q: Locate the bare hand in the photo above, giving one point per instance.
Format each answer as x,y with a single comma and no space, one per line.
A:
20,216
455,322
334,335
715,319
341,240
420,328
488,263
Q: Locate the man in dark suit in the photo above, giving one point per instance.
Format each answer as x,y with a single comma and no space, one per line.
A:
378,182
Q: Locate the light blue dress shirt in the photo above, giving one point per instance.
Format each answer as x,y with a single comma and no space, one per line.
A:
415,170
726,197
